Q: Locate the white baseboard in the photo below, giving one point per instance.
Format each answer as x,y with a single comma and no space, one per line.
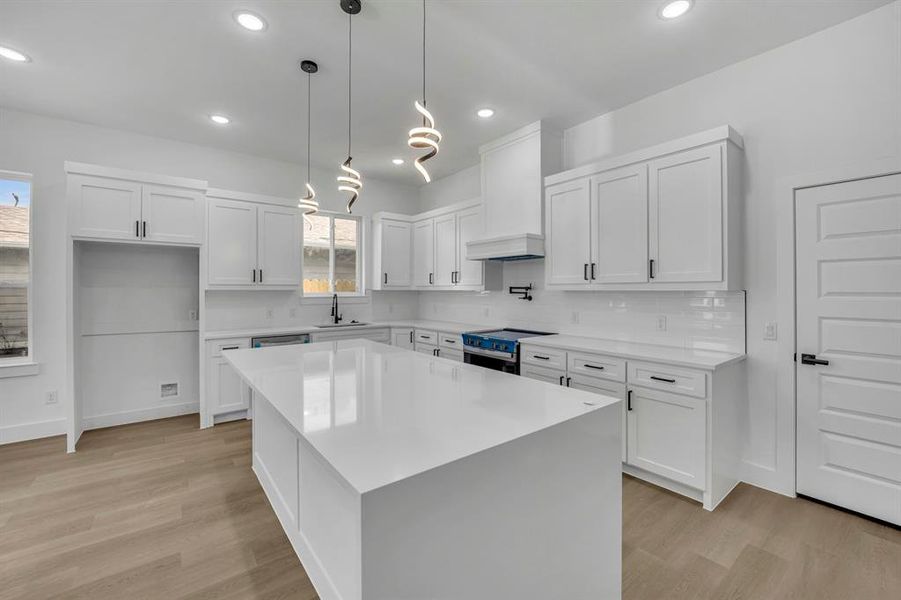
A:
32,431
768,478
136,416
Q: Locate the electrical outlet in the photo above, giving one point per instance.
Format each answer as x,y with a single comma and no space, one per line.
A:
661,322
52,397
268,313
769,330
192,314
575,318
292,312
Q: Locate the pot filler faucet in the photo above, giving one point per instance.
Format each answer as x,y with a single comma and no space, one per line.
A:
335,315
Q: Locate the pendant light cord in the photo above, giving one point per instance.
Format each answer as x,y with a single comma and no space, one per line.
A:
423,53
309,119
349,76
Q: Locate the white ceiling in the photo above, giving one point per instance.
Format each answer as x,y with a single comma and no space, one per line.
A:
160,67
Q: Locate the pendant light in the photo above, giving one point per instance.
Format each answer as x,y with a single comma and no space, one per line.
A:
350,180
425,137
308,204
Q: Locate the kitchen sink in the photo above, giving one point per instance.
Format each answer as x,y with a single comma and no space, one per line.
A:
339,325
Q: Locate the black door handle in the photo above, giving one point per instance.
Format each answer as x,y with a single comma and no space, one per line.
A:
629,400
585,271
145,229
811,359
386,279
137,229
568,379
561,380
254,275
592,271
651,268
431,278
411,337
261,275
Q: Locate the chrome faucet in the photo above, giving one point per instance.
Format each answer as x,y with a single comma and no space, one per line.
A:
335,314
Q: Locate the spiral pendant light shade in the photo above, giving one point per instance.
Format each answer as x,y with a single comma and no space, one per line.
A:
426,137
308,204
350,180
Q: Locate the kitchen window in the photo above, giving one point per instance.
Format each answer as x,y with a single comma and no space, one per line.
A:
332,255
15,270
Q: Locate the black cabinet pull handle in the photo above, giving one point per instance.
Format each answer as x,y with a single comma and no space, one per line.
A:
593,367
261,275
663,379
229,347
561,380
423,337
254,275
431,278
811,359
539,357
651,268
145,229
137,229
592,271
568,379
386,279
411,337
629,400
585,271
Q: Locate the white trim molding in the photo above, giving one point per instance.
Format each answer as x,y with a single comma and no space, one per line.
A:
24,432
780,476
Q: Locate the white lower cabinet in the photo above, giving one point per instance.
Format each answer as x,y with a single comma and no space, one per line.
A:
375,335
456,355
426,349
439,343
667,435
680,426
402,337
225,392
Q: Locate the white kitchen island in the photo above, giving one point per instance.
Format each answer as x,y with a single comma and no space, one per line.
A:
401,476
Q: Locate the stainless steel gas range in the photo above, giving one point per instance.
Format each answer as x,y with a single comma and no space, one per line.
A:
496,349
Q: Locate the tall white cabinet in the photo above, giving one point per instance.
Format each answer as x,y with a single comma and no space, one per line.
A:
392,266
664,218
252,243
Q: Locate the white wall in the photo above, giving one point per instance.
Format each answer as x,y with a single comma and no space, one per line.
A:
40,145
463,185
826,101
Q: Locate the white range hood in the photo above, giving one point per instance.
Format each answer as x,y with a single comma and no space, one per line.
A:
513,171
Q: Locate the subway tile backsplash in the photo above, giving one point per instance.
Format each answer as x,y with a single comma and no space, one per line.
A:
708,320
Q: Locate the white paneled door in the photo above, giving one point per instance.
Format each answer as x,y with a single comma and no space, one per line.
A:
848,272
619,211
568,233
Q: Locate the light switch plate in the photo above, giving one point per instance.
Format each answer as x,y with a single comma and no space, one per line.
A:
661,322
769,330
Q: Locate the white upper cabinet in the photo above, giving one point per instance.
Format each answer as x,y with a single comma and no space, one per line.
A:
446,250
172,214
392,265
686,216
568,234
232,242
424,253
664,218
619,224
112,204
105,208
469,227
432,247
279,245
253,245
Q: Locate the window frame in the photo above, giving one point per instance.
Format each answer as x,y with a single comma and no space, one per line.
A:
361,292
19,365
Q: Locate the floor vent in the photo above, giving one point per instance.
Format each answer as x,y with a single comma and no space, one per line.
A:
168,390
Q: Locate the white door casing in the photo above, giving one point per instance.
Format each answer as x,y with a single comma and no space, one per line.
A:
848,312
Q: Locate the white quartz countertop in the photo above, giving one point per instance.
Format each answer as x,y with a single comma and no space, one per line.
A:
686,357
296,329
379,414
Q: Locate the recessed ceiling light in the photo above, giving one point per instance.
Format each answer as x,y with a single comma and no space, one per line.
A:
485,113
675,9
220,119
13,54
249,20
397,161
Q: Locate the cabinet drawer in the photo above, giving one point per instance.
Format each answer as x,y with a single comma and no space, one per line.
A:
216,347
451,354
425,348
450,340
670,379
544,357
595,365
425,336
555,376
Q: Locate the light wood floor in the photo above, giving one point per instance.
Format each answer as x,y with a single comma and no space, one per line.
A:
163,510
